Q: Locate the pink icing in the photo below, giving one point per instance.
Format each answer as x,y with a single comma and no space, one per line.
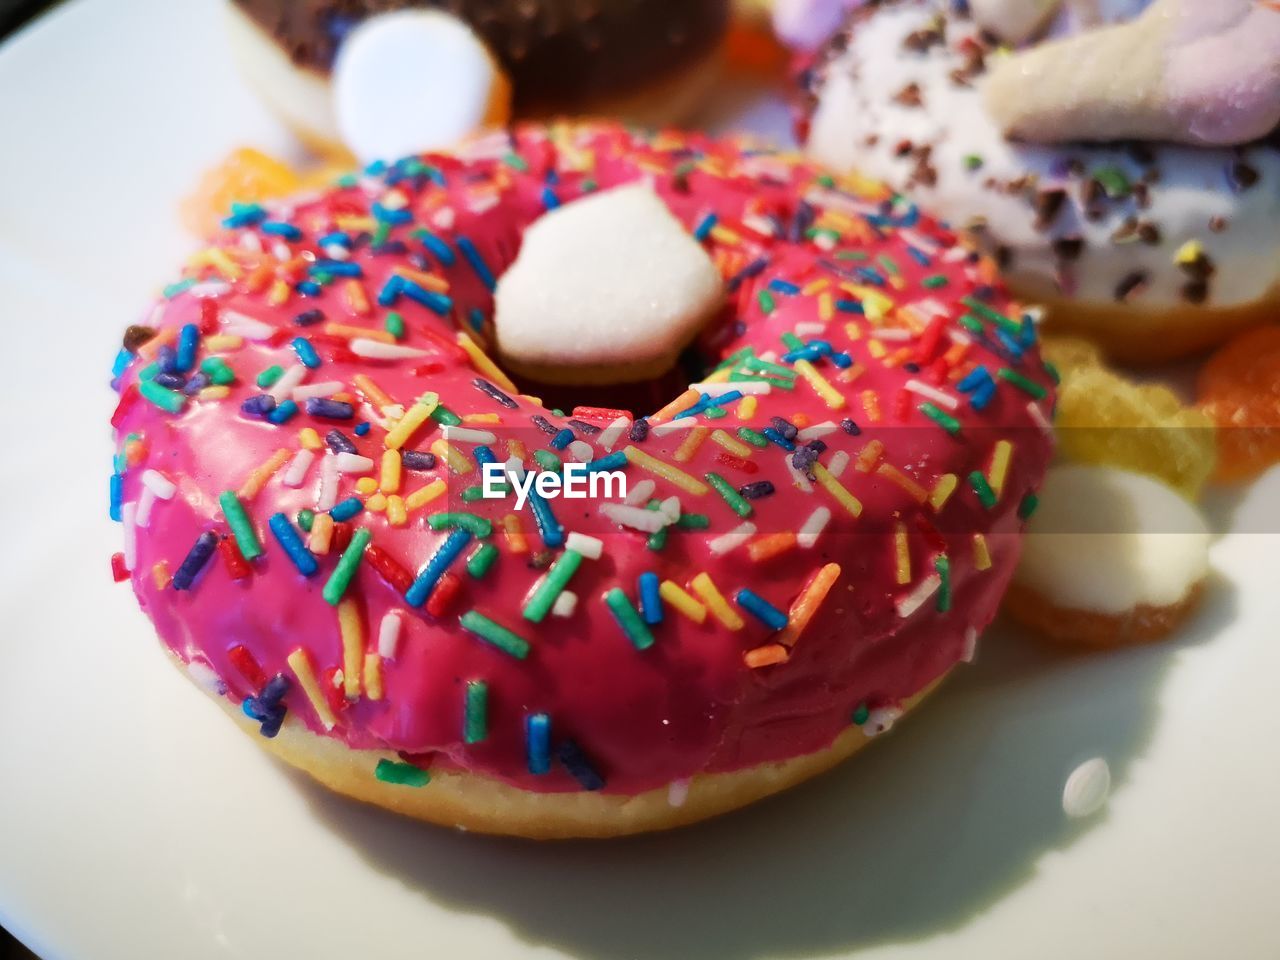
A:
688,703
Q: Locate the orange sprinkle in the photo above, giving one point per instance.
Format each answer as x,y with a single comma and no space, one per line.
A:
765,547
890,472
428,280
871,404
682,402
348,331
160,575
807,604
254,483
693,439
357,300
514,532
372,392
766,656
869,456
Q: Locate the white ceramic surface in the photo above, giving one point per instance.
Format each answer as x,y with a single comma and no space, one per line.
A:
136,823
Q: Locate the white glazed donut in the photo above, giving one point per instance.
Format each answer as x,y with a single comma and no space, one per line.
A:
1153,249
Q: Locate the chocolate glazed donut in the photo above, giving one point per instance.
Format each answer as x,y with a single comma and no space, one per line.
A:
563,56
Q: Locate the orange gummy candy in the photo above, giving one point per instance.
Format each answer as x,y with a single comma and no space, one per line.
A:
1239,388
245,176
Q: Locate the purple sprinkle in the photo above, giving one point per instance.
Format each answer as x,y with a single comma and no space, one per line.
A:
579,767
308,318
195,383
639,430
849,427
784,427
543,424
339,442
754,491
584,428
195,560
171,381
484,386
327,409
417,460
258,406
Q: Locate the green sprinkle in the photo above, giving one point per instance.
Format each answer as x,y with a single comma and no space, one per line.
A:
755,363
973,161
1114,181
826,180
380,235
548,461
861,714
736,501
753,438
767,303
340,579
851,255
693,521
715,413
472,494
165,399
240,524
889,265
217,371
658,539
793,343
1022,383
394,324
515,162
267,377
346,181
551,586
935,281
779,382
182,286
475,718
149,371
306,517
470,522
940,417
445,417
323,278
972,324
1052,371
994,316
735,358
481,561
943,565
636,629
401,774
986,496
487,630
1028,506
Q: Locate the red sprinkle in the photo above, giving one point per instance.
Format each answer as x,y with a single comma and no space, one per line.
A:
396,576
341,537
333,691
929,340
247,666
443,596
119,572
208,316
607,414
729,460
236,565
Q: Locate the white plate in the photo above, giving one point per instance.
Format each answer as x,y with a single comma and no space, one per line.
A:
136,822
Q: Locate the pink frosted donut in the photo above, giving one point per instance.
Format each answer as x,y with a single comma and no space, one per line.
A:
812,538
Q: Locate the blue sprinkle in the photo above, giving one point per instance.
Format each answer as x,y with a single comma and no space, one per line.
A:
580,768
292,544
919,257
167,359
476,317
171,381
337,237
650,601
327,409
337,268
773,436
483,455
280,228
435,302
417,460
269,714
841,360
562,439
362,428
346,509
537,735
472,256
549,528
386,215
306,352
283,413
783,286
974,379
438,248
391,290
613,461
704,227
188,341
849,306
420,591
273,690
761,609
244,215
804,353
117,496
195,560
309,288
549,198
122,361
982,396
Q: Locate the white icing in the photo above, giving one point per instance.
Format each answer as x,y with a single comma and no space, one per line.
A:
610,279
1106,540
857,105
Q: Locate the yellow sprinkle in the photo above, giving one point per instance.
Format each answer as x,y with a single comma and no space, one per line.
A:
747,407
981,555
321,534
160,575
310,439
902,553
686,604
514,532
942,491
876,349
1189,252
871,405
373,675
807,604
300,663
352,632
350,332
718,376
219,260
216,392
853,331
254,483
725,235
413,418
279,294
693,439
890,472
484,366
221,342
481,418
830,395
428,280
734,446
355,224
389,477
705,588
660,468
456,461
999,466
397,516
376,503
366,485
826,307
837,490
424,495
815,286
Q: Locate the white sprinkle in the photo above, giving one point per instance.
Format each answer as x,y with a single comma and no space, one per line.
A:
1036,414
250,241
245,326
670,508
970,645
838,463
809,329
337,251
581,451
205,677
209,289
159,484
467,435
812,528
798,476
893,334
146,500
678,792
352,463
589,547
389,635
565,604
640,493
747,388
671,426
735,538
1087,788
940,397
514,469
327,389
444,218
129,516
298,467
280,250
758,224
880,720
610,434
817,430
911,602
328,495
282,388
377,350
648,521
